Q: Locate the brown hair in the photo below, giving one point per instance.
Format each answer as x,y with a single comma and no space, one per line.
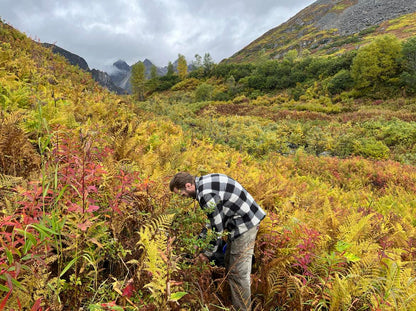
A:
180,180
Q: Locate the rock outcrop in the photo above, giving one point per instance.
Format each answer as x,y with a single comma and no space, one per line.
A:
363,14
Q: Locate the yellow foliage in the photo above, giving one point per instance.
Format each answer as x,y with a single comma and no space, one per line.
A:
367,204
153,241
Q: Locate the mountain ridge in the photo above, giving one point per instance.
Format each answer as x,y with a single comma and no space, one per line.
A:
324,27
117,80
325,23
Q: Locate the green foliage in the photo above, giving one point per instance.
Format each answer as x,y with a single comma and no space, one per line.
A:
376,63
238,71
207,64
408,75
291,72
341,81
371,148
171,70
203,92
152,83
166,82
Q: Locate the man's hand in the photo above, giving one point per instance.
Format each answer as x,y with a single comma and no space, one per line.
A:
202,258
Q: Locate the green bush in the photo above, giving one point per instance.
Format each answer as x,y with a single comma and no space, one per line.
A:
371,148
340,82
203,92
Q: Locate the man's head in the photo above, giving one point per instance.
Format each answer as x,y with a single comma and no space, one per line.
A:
183,184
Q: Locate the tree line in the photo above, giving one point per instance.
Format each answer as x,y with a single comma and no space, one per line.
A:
386,66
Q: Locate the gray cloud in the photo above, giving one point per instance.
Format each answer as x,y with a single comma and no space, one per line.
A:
102,31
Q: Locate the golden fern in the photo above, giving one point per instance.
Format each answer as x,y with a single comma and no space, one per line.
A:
13,117
276,280
294,290
355,286
7,181
17,155
340,294
371,282
124,138
281,283
331,221
356,227
397,285
153,242
399,235
362,274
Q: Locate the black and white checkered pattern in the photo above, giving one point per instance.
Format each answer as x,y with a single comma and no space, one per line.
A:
230,207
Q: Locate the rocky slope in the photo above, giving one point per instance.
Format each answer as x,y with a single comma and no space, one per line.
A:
336,24
362,14
72,58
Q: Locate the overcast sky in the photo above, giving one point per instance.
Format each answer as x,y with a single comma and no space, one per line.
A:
103,31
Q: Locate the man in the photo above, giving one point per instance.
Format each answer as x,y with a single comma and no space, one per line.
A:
229,208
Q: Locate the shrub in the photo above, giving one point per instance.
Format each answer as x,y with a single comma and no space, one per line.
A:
371,148
187,85
203,92
341,81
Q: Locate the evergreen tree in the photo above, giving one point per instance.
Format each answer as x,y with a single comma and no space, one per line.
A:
208,64
153,83
408,76
153,72
138,79
171,70
197,69
198,61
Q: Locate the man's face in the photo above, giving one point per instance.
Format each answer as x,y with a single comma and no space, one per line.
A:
188,192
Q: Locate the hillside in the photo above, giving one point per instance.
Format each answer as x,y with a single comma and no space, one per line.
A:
328,27
87,220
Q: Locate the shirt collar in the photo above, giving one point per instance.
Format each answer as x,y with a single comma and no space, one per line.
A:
196,185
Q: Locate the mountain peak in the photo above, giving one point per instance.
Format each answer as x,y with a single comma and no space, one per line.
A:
147,62
122,65
72,58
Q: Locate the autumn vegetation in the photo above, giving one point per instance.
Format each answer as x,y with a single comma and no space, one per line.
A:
325,144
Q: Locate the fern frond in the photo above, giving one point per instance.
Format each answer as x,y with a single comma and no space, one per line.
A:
362,275
294,289
399,236
7,181
357,285
280,282
124,139
13,117
356,227
153,241
17,156
340,294
277,282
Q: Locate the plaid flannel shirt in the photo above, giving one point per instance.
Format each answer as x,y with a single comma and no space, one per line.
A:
229,206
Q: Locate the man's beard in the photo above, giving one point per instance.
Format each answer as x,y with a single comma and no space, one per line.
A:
191,194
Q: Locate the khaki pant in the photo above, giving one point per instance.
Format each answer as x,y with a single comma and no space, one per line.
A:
238,260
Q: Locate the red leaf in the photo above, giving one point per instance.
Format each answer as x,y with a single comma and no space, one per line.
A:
36,306
4,301
93,208
84,226
129,290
